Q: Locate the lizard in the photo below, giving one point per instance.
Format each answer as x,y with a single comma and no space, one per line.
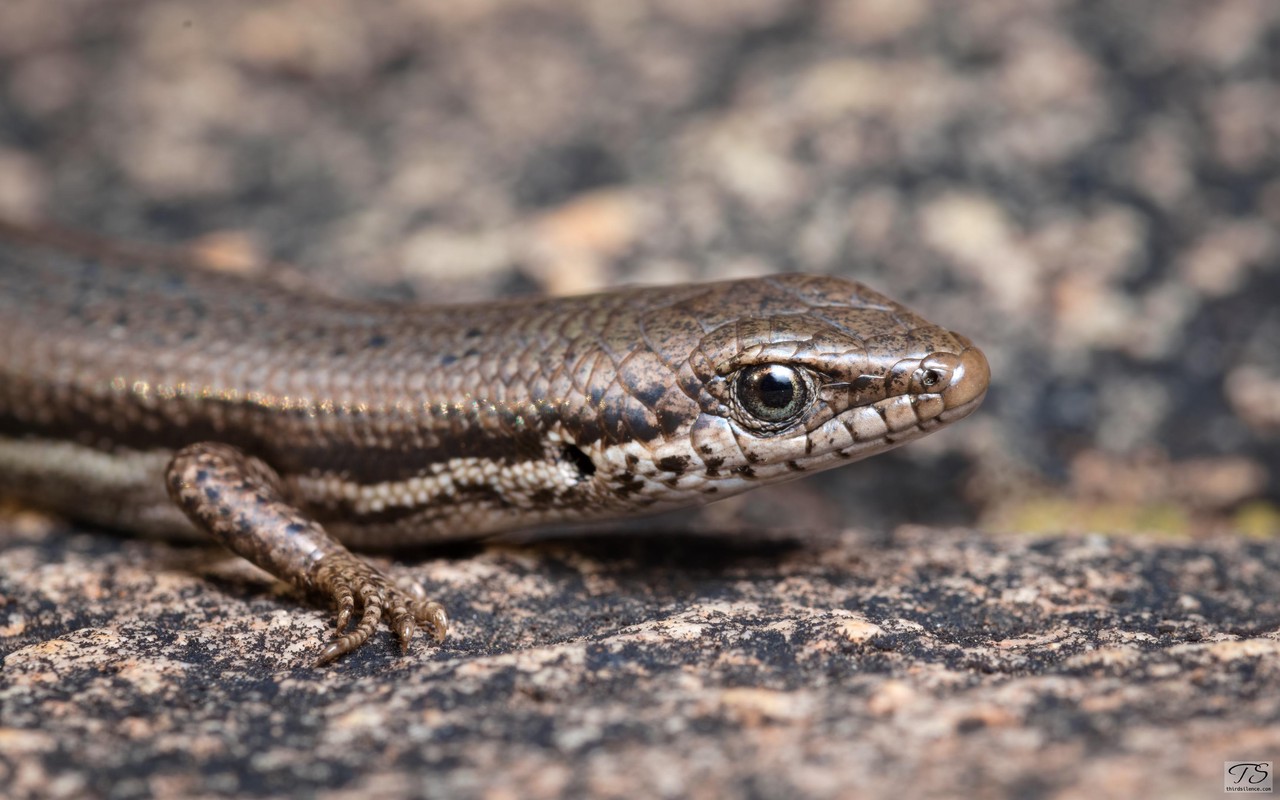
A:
146,395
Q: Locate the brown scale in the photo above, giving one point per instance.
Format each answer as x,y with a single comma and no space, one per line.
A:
160,398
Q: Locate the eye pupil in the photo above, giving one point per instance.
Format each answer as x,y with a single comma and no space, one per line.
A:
931,378
771,392
775,390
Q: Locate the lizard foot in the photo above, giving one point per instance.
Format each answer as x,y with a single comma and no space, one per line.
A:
352,584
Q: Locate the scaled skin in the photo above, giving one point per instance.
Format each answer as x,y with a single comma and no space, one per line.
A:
169,401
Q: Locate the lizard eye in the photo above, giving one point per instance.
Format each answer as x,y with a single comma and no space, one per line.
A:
771,393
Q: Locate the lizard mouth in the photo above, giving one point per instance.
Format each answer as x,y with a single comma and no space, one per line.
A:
942,386
924,394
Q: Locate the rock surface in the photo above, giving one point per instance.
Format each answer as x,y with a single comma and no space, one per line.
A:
929,662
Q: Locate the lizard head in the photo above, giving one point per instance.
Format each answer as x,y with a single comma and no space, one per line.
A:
759,381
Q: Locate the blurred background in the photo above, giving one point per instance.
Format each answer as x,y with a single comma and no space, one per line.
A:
1091,191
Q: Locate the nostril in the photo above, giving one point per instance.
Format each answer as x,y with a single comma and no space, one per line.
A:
580,461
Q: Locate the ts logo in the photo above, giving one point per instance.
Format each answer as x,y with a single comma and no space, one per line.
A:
1247,776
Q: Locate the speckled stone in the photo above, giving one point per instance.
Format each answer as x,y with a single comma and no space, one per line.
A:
929,661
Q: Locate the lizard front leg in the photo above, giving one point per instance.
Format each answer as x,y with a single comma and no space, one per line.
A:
238,500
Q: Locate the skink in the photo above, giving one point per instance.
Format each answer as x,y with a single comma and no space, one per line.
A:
174,401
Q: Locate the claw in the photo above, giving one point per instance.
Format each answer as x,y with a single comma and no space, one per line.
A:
405,630
346,607
439,621
331,651
352,584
